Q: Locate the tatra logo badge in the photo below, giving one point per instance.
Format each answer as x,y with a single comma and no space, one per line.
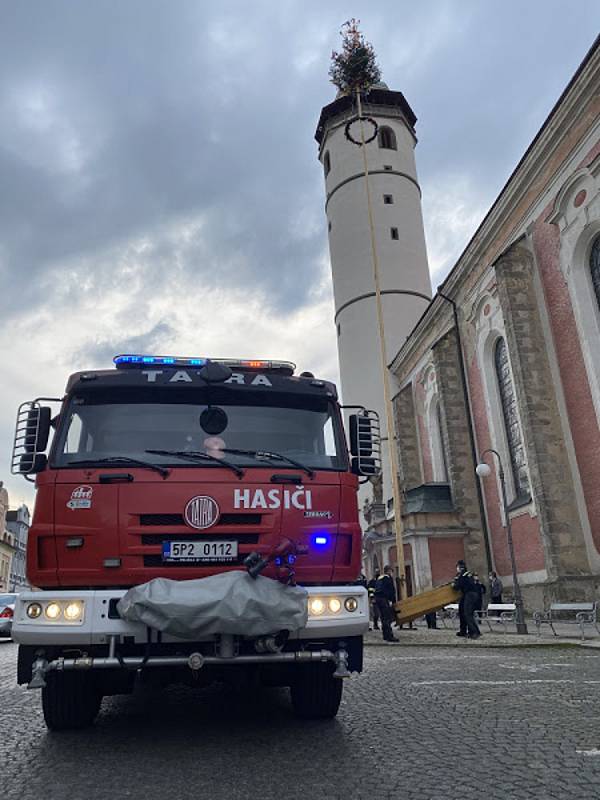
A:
201,512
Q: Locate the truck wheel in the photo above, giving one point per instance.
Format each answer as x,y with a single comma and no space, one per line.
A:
70,700
316,694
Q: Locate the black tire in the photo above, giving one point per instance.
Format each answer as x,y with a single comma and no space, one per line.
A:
70,700
316,694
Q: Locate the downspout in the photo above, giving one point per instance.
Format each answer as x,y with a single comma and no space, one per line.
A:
463,376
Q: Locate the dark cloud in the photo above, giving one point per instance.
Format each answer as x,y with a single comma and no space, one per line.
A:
120,118
102,352
152,149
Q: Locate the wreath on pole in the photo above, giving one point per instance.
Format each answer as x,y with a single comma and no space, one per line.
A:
370,120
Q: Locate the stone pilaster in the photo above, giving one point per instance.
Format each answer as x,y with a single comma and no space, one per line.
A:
409,462
455,434
549,470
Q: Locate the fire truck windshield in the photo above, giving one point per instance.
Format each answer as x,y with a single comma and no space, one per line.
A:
306,430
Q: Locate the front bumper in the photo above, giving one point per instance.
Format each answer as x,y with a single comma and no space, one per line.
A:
101,623
100,640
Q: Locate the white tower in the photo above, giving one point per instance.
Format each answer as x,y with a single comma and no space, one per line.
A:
400,240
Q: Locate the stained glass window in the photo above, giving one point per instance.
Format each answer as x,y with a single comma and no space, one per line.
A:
512,427
595,268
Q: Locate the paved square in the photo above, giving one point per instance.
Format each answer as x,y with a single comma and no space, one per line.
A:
429,723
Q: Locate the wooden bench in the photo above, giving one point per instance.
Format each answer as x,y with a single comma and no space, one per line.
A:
581,614
498,612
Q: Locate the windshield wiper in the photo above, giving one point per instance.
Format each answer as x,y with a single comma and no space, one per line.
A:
262,455
196,455
115,460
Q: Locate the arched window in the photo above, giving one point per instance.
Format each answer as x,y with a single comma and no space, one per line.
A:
595,268
512,427
387,138
327,163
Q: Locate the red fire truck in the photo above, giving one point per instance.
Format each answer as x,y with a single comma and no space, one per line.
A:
174,492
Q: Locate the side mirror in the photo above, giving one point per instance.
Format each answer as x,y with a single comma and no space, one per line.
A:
31,438
365,443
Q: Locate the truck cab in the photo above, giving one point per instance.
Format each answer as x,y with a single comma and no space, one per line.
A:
181,469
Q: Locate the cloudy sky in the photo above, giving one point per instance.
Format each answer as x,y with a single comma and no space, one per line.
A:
159,187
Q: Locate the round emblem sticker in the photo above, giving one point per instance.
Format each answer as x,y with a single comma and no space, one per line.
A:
201,512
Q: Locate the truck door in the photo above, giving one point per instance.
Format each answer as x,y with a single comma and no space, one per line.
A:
85,528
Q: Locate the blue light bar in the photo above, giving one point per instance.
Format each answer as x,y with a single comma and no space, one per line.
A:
138,360
164,361
320,540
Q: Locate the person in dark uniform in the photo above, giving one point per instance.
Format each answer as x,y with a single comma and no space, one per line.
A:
373,605
481,590
361,580
431,620
462,630
385,597
465,583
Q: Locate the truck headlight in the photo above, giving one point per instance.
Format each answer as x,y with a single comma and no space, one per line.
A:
351,604
334,605
34,610
73,610
53,610
316,606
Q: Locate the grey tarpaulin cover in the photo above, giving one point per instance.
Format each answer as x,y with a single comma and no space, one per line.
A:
231,602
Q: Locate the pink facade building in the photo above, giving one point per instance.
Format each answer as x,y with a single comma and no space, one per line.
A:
507,356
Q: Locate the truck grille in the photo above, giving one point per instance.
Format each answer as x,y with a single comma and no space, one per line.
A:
163,520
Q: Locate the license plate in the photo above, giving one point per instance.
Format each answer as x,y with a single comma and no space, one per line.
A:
200,551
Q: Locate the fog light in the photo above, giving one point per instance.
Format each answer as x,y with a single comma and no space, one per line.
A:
334,605
74,610
53,610
34,610
316,606
351,604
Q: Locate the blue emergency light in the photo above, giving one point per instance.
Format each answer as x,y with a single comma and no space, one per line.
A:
163,361
320,540
138,360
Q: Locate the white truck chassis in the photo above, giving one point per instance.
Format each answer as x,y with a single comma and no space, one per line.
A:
100,625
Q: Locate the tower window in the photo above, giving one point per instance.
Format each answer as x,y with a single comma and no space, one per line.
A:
387,138
328,224
595,268
339,329
388,167
388,199
327,163
394,233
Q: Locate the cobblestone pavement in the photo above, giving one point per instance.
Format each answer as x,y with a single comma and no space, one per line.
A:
422,723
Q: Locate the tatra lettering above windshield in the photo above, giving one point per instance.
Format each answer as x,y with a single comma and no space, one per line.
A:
190,376
299,498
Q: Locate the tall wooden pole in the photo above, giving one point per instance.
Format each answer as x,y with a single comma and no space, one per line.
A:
389,412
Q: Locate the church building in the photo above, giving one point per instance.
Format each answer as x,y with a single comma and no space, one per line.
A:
504,356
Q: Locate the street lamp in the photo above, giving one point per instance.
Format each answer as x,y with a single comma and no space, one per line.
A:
483,470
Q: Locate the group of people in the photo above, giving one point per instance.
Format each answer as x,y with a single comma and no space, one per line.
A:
382,596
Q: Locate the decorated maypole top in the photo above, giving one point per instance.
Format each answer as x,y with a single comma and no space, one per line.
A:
355,68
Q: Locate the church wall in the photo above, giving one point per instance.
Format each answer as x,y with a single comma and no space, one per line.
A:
443,554
561,265
527,539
